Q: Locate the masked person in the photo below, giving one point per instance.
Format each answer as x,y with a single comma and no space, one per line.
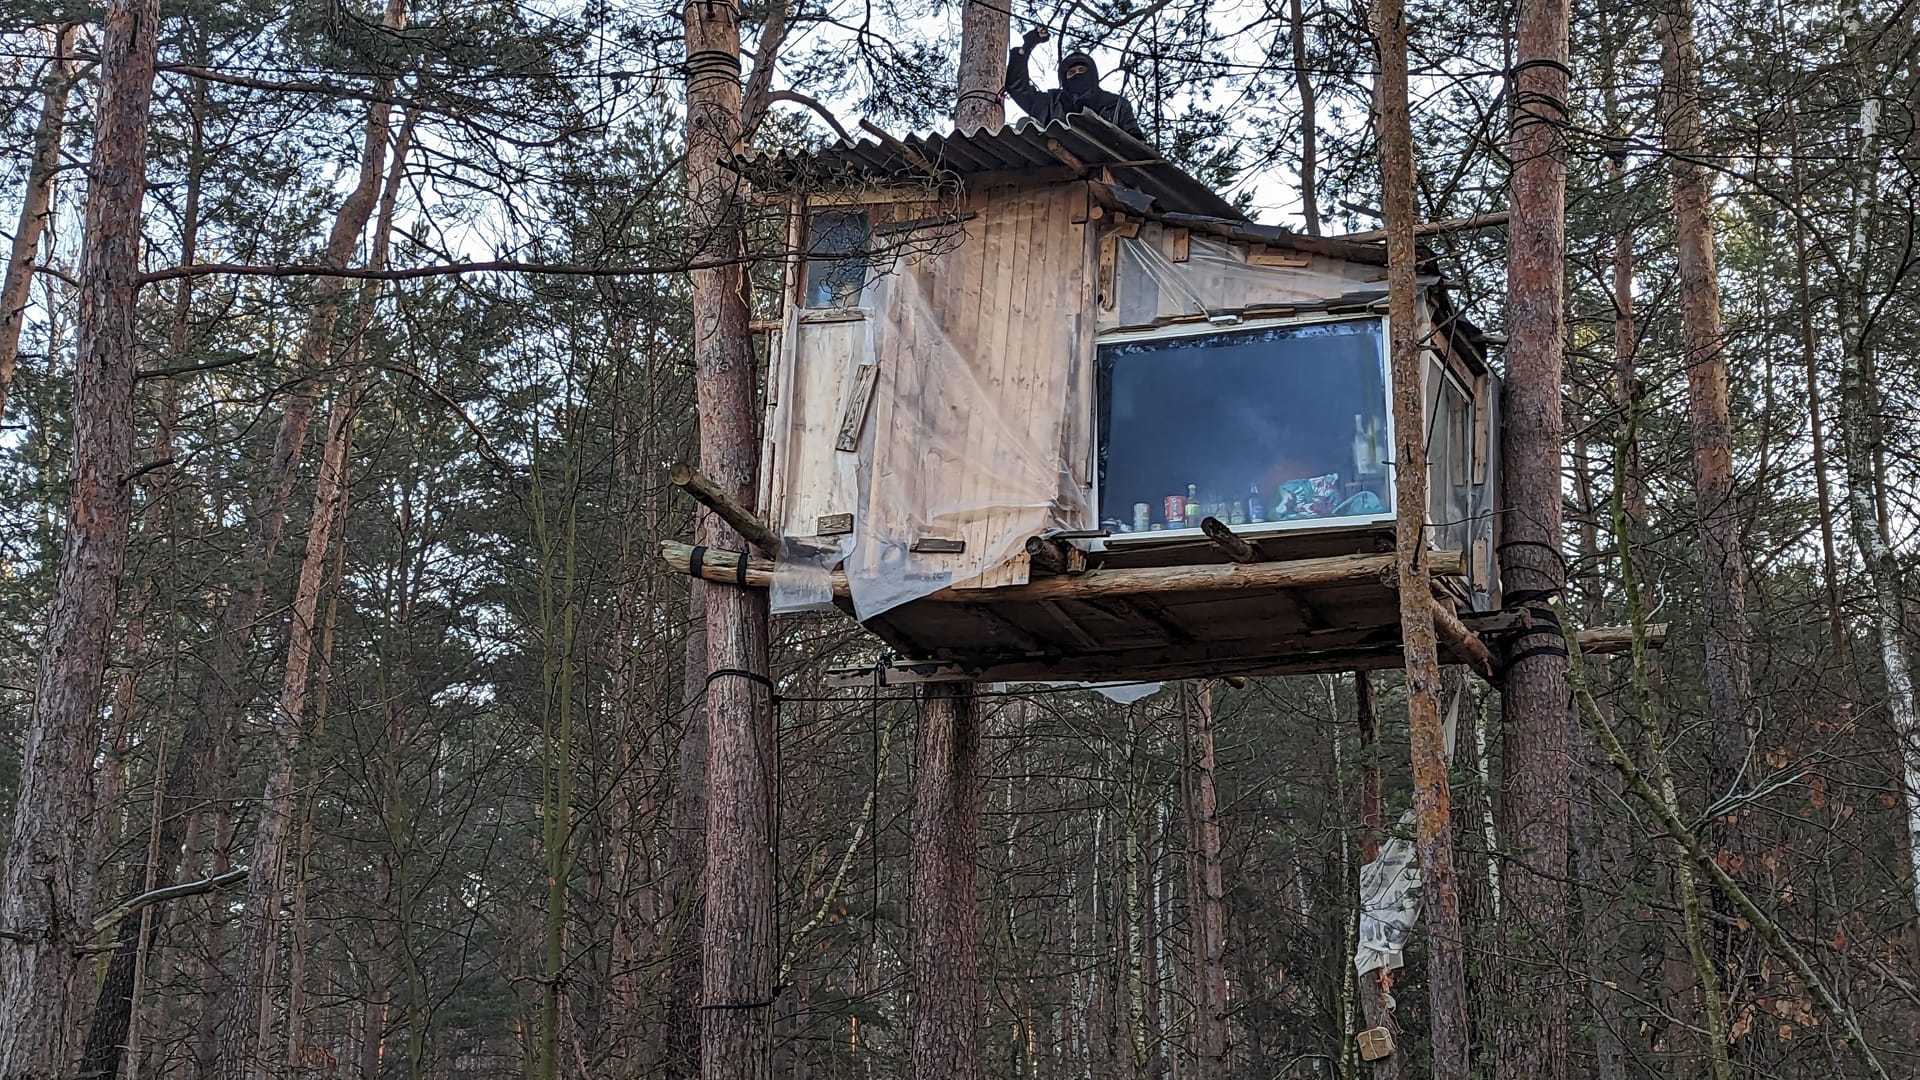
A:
1079,89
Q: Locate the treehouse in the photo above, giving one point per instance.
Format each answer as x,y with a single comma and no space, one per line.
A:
1043,406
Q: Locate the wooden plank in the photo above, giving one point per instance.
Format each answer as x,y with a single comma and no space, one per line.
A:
810,484
853,416
1179,245
1222,578
720,501
1059,617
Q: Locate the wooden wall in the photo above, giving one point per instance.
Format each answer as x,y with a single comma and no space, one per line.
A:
978,356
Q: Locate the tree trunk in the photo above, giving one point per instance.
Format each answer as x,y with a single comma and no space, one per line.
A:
737,946
686,863
46,903
244,1051
1206,895
946,832
1724,570
984,31
35,205
1309,122
1532,1042
219,691
1433,816
1859,404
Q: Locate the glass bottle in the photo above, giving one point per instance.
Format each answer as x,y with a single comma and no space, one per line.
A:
1365,462
1256,510
1193,506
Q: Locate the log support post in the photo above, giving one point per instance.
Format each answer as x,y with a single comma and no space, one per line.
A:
946,940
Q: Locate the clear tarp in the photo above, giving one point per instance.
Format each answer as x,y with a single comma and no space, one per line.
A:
1161,278
968,438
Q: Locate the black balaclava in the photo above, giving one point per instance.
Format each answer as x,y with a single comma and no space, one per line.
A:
1078,89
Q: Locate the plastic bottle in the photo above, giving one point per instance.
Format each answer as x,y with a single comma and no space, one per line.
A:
1256,510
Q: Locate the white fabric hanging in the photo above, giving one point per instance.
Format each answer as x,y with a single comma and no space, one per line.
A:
1390,884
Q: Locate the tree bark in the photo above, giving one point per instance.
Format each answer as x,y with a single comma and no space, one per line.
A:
1724,569
1206,894
35,205
737,946
1309,121
46,901
1532,1041
946,842
984,30
1859,404
219,691
686,863
1433,816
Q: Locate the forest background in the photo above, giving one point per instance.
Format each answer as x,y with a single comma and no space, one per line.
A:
391,622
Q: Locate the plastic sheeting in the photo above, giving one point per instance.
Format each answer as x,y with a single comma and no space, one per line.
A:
1218,278
1390,884
975,430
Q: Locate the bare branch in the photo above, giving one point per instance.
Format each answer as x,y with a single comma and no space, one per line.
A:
113,915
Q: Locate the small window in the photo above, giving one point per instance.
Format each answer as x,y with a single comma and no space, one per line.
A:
836,258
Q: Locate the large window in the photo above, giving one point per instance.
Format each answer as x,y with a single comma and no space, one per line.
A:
1262,427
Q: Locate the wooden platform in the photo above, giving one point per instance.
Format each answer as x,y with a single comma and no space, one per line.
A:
1323,603
1172,612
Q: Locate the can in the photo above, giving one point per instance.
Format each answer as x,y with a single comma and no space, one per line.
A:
1176,510
1142,516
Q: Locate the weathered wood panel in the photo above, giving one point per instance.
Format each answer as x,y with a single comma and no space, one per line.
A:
812,480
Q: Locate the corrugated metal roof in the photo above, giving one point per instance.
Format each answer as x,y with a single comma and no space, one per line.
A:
1083,137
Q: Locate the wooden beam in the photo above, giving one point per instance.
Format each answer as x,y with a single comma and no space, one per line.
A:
718,565
1435,228
1049,555
1600,640
1228,541
717,499
1462,642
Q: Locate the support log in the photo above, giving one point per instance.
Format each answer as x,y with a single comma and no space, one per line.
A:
717,499
721,565
1463,643
1228,541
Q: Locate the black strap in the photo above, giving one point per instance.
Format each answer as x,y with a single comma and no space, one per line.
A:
1541,61
697,562
750,676
1552,648
1537,604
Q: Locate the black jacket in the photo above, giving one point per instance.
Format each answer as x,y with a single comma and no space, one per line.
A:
1051,106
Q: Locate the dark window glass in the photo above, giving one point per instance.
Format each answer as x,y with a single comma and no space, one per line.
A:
1251,426
1449,454
836,258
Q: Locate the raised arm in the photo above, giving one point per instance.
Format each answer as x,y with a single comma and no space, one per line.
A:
1031,99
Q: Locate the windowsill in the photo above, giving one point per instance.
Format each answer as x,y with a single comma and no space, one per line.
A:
1250,531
